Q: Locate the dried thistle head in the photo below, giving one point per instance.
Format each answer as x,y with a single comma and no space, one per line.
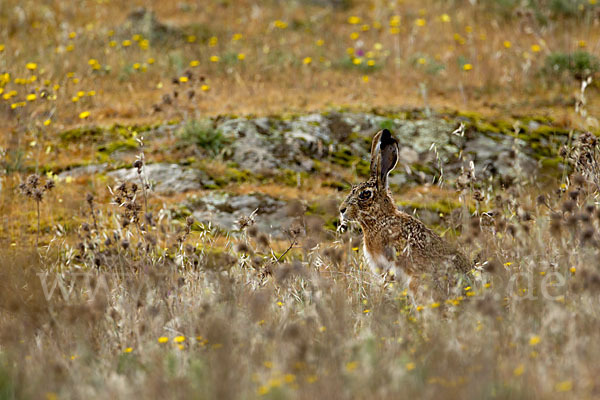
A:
33,187
138,164
33,181
49,185
246,221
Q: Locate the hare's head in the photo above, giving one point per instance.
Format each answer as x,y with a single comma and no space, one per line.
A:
371,199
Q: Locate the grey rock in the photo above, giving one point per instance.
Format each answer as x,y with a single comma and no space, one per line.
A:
84,170
251,150
224,209
165,178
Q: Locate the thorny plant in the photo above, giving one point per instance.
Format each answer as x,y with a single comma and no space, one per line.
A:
34,189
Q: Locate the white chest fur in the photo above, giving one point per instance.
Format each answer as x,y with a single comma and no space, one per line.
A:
381,265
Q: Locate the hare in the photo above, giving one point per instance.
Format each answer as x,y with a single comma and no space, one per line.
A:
395,242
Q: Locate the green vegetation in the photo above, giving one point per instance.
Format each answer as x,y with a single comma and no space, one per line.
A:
579,64
202,134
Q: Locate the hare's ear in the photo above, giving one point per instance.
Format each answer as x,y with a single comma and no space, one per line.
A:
375,154
384,156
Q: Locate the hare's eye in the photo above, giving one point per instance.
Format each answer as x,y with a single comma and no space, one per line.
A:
365,194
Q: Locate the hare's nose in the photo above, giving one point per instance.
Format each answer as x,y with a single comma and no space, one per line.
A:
342,210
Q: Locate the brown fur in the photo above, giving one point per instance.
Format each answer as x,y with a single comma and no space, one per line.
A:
393,239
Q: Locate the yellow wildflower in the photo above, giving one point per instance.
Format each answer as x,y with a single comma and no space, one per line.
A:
351,366
263,390
519,370
31,66
84,114
307,60
564,386
353,20
534,340
280,24
467,67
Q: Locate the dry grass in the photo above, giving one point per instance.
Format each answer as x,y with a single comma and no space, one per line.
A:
286,67
164,311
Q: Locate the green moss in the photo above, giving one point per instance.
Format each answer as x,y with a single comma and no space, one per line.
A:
221,180
343,156
545,130
484,126
418,167
120,145
317,166
356,137
180,212
289,177
87,133
314,209
473,116
444,206
551,162
332,223
336,185
504,126
363,168
238,176
97,133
